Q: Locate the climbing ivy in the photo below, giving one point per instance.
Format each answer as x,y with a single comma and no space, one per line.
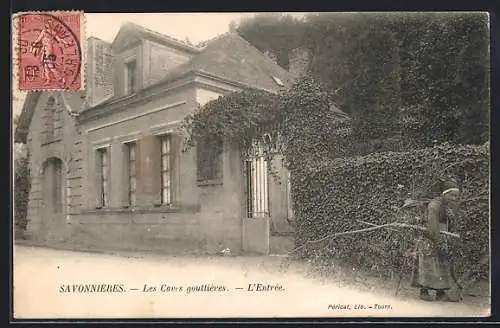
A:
237,117
331,192
351,193
299,123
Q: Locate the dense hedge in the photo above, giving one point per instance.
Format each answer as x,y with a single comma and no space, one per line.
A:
21,189
333,195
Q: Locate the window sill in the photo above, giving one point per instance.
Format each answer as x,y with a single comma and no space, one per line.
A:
209,182
142,210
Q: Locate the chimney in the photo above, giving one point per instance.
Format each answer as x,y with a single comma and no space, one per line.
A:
99,71
299,60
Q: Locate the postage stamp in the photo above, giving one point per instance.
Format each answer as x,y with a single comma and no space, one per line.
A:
49,50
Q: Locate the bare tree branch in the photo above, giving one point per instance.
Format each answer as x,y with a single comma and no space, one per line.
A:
373,228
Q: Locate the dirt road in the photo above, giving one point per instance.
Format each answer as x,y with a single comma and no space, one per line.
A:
63,284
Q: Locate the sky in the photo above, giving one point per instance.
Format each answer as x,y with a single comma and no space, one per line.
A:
196,27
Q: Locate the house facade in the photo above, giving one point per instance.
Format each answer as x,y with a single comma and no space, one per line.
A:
108,167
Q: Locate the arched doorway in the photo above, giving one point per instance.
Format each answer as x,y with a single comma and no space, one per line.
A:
52,195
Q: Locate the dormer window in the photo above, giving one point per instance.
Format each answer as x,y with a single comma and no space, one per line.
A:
130,76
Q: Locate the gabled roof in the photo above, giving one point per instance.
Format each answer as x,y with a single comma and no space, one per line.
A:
72,102
131,33
231,57
228,57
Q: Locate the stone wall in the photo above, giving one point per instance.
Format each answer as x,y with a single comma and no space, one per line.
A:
205,217
65,147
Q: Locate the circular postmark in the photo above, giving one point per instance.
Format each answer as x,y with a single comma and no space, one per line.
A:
49,52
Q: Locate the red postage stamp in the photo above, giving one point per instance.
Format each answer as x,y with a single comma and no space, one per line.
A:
49,50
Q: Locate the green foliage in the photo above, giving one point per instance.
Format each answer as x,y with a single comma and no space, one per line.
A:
432,67
330,194
274,32
22,186
312,125
445,69
238,117
333,195
302,119
406,79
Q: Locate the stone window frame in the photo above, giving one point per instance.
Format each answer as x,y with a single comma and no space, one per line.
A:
165,169
126,63
125,141
132,172
104,198
161,131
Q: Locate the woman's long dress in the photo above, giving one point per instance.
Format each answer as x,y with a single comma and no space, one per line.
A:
432,267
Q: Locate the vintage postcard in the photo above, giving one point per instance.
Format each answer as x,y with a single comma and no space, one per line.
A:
250,165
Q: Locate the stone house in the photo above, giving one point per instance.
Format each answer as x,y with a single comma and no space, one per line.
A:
107,168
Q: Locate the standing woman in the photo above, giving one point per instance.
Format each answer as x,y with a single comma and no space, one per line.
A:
433,267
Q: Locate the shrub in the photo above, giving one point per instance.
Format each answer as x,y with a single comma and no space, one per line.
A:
334,195
21,193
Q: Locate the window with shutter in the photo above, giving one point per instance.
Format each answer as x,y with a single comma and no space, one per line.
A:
165,169
103,173
131,172
209,160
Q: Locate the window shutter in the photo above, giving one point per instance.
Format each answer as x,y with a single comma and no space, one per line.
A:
155,172
209,160
125,183
107,181
149,175
97,179
176,142
138,186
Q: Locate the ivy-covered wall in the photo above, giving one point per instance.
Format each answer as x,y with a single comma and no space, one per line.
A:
335,195
334,191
